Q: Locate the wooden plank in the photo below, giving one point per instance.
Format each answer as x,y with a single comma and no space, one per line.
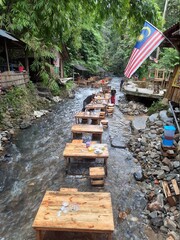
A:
166,189
175,186
93,212
77,141
168,195
96,172
68,190
86,128
97,182
80,150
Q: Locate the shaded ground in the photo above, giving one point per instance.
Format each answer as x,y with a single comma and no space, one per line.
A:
36,165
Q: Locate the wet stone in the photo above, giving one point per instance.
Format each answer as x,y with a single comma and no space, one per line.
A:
118,143
138,175
157,222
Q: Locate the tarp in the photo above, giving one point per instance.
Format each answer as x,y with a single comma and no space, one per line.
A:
99,69
6,35
80,67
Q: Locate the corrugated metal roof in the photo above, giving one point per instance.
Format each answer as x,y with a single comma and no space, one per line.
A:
80,67
7,35
100,69
173,35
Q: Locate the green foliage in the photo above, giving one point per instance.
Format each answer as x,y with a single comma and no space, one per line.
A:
46,26
14,99
168,59
156,107
69,85
54,87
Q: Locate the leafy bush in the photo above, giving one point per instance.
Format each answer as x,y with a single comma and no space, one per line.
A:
156,107
54,88
69,85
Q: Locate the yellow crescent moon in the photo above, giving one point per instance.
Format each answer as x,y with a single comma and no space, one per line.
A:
148,29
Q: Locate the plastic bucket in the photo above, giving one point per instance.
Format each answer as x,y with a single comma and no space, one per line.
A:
169,132
167,143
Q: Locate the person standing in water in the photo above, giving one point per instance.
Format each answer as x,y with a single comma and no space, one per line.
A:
121,84
113,93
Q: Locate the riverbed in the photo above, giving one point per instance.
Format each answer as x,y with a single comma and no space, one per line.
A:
36,164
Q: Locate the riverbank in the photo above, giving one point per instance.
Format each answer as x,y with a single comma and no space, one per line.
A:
160,168
36,164
21,106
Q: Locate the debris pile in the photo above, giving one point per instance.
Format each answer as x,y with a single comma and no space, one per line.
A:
159,176
132,108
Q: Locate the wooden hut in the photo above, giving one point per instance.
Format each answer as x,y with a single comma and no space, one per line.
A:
173,91
14,65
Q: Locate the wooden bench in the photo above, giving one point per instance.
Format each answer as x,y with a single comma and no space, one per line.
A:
97,175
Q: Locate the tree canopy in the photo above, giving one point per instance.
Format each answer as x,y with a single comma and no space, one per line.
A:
97,32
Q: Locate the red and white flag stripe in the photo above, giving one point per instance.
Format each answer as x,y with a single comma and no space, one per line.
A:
139,55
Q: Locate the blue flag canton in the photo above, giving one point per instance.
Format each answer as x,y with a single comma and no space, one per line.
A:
147,31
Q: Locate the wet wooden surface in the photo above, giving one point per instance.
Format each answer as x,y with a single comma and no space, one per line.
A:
87,115
85,212
96,106
86,128
80,150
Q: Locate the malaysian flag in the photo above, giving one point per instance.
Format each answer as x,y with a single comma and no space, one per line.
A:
149,39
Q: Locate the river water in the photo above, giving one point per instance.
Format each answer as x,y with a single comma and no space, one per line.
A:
36,164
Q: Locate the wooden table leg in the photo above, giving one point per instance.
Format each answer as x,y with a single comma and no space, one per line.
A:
67,163
38,235
105,165
100,138
110,236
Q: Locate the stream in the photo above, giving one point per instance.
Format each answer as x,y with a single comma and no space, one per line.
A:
36,164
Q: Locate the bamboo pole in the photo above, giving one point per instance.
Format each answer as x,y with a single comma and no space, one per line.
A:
7,57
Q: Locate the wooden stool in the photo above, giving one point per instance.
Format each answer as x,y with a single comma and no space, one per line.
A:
77,141
104,122
102,115
110,110
97,175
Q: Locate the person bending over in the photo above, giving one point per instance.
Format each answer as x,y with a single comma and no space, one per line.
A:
86,101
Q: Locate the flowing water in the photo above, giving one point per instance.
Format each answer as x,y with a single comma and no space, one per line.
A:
36,164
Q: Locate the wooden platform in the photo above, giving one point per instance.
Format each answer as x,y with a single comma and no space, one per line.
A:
87,115
77,150
86,128
75,211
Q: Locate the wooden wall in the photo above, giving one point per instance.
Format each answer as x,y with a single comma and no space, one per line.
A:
173,91
8,79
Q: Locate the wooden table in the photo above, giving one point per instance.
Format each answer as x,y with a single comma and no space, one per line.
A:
86,212
87,128
87,115
94,106
101,99
75,150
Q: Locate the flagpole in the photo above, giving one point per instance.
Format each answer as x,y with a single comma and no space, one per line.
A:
163,35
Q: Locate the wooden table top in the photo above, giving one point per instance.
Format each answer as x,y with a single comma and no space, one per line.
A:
80,150
87,128
102,98
85,211
91,115
95,106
